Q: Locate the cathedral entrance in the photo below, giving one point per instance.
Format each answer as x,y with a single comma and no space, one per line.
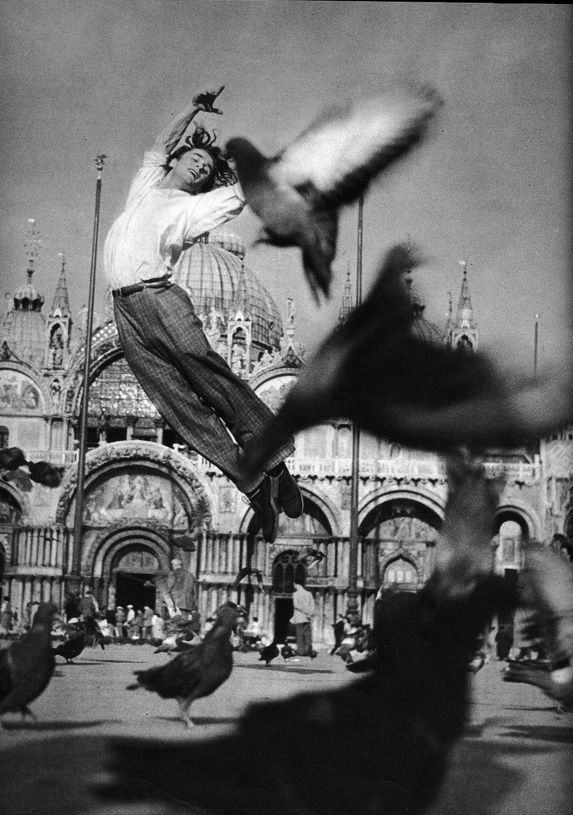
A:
134,578
286,569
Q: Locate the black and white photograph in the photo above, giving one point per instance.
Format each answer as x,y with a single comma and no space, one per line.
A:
286,408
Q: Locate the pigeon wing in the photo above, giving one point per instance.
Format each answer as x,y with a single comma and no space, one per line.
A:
348,145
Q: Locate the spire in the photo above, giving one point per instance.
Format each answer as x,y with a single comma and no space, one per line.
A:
241,300
61,303
347,304
463,331
465,313
24,325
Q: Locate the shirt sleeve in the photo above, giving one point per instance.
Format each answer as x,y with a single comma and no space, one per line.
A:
209,210
152,172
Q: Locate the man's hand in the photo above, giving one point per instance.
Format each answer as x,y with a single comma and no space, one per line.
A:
204,101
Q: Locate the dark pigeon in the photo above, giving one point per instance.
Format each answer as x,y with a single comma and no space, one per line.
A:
377,372
72,647
197,672
27,665
298,192
287,651
268,653
384,740
94,633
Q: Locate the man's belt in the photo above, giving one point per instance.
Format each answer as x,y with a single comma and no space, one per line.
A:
152,283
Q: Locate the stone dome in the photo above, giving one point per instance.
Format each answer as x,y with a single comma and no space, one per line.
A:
28,298
214,273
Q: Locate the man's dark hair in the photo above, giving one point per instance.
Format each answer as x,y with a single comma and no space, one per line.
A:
222,175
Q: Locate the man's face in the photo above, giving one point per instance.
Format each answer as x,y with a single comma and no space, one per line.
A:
194,169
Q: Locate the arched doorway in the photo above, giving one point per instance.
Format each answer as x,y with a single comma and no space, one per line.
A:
134,572
287,569
400,573
400,535
129,563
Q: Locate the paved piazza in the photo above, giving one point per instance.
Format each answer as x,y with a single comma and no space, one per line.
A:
516,758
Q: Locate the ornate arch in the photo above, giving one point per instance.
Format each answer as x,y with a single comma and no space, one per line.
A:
38,382
121,539
524,515
415,559
112,458
105,350
431,504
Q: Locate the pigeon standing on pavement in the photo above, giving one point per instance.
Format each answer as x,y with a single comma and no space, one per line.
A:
268,653
197,672
374,370
71,647
298,192
381,743
27,665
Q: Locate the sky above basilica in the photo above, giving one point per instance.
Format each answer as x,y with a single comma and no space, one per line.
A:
491,186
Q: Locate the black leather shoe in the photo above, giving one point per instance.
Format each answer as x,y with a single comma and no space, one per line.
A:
265,508
289,496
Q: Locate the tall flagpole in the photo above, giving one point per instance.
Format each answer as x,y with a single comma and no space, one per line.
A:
352,601
535,344
83,426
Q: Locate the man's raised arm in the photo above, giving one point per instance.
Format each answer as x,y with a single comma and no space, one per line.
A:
171,133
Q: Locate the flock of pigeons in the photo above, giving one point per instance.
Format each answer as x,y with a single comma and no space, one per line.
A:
382,743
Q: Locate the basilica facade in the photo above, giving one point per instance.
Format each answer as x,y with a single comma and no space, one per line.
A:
147,498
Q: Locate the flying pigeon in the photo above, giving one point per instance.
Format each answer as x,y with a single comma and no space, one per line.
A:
197,672
249,571
374,370
549,592
298,192
42,472
399,720
27,665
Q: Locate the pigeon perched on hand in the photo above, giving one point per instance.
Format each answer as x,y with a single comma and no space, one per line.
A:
298,192
383,741
27,665
374,370
197,672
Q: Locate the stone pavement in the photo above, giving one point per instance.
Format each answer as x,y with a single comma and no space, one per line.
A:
516,757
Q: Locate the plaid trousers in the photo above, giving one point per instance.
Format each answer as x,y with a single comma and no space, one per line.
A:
191,385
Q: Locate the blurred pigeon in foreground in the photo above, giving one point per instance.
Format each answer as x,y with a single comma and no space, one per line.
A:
556,682
197,672
395,385
549,588
297,193
382,742
27,665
